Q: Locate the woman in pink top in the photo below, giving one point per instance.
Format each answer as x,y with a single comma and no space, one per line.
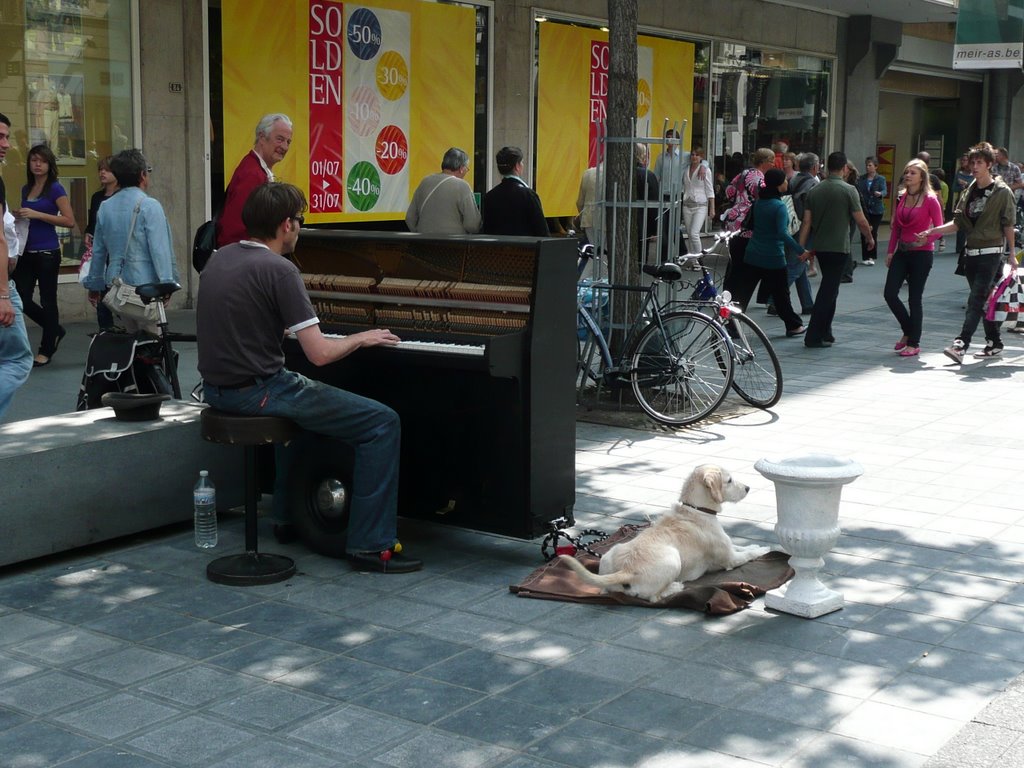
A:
910,258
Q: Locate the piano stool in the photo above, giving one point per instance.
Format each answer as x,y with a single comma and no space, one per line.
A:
252,566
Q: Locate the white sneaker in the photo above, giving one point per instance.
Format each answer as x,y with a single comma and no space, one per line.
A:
990,351
869,262
955,351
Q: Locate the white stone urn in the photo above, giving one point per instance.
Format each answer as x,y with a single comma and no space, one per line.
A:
807,491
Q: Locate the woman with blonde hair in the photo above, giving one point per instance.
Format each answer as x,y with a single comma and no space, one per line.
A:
910,255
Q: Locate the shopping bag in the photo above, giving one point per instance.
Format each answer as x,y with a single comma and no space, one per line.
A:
1004,303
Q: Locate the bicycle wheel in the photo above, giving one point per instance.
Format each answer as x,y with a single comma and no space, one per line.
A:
682,375
757,376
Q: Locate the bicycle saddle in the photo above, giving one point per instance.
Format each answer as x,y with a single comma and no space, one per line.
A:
156,290
666,272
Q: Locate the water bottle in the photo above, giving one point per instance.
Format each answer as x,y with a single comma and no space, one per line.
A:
204,499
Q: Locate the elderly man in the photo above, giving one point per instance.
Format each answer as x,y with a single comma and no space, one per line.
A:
248,298
132,243
15,352
273,138
511,207
443,203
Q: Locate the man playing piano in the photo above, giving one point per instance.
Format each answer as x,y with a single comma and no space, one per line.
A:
249,296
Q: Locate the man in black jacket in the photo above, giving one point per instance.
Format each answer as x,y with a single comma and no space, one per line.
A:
512,208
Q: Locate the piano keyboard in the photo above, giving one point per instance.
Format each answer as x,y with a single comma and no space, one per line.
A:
430,347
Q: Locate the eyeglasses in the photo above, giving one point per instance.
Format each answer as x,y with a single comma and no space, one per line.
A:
300,218
149,169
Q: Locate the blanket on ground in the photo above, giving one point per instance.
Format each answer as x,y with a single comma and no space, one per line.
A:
717,594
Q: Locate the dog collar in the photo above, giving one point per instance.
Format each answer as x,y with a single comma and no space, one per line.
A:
703,509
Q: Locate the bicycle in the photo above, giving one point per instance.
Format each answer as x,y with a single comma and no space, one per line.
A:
757,376
679,364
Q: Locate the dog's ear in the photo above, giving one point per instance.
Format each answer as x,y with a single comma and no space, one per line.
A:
713,481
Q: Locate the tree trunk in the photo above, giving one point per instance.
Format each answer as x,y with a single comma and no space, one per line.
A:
621,227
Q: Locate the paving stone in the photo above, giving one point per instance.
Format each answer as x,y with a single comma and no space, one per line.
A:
417,699
505,722
269,707
129,665
269,658
194,740
481,671
353,731
41,744
52,691
269,754
66,648
429,749
116,716
197,686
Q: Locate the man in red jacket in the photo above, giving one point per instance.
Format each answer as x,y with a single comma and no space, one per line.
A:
273,138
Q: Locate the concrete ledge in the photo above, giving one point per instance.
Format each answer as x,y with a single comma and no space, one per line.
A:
84,477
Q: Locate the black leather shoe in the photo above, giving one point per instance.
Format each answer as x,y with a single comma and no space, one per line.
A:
829,339
817,344
285,533
387,561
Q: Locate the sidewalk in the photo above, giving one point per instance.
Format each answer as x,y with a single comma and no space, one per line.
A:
124,655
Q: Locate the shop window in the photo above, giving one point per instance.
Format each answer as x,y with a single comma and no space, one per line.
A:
67,84
761,98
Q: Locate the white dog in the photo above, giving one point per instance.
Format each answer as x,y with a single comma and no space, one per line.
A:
683,544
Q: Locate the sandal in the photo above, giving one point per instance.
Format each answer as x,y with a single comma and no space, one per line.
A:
901,344
798,331
909,351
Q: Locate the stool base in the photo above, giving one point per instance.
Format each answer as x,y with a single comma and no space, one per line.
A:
250,568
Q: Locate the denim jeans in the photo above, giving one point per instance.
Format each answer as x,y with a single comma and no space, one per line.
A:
41,267
914,267
371,429
830,265
15,355
981,274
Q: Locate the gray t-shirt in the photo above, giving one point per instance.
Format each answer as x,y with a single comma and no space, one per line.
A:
248,297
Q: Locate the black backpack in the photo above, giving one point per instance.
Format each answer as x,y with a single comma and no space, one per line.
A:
204,244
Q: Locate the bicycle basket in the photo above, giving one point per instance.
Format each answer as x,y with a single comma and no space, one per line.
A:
704,289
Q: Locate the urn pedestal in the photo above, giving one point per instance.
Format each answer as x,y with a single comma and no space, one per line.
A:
807,494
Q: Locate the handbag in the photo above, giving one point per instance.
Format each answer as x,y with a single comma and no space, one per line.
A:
1004,303
122,298
83,268
793,223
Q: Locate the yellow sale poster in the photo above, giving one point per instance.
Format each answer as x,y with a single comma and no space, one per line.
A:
572,97
376,94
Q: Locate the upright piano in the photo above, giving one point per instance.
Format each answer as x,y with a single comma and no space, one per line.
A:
484,377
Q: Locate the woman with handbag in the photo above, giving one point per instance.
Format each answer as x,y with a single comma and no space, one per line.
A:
131,246
45,205
910,256
108,186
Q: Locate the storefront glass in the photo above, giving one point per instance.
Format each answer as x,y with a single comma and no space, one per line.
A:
761,98
67,83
